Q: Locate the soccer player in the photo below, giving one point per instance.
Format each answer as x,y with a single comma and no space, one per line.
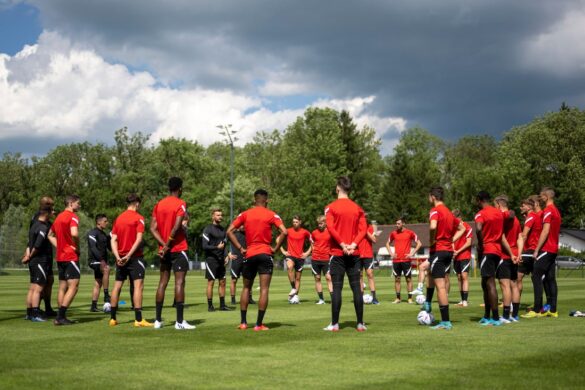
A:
98,243
321,240
402,238
507,271
258,222
366,253
64,235
294,254
237,264
214,240
346,223
38,256
462,257
545,255
167,228
126,243
442,227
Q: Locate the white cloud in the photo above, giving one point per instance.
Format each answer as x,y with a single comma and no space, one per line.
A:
56,89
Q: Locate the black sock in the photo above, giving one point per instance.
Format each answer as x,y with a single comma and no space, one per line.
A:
260,317
409,296
138,314
94,304
515,308
321,295
180,307
233,298
465,295
221,301
113,312
486,311
506,314
29,311
243,316
397,295
36,312
495,314
374,295
209,302
47,305
62,312
292,284
106,295
430,293
462,293
444,312
159,307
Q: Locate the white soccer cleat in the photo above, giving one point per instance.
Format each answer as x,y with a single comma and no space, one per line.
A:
504,320
320,302
416,291
464,304
292,292
158,324
331,328
184,326
361,327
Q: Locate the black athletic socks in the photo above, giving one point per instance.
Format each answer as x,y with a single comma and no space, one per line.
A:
180,307
62,313
487,310
464,295
292,284
138,314
444,312
506,314
260,317
321,295
430,293
209,302
243,316
221,301
159,307
397,295
94,304
113,312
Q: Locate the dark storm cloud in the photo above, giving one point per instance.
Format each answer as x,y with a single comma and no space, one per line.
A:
454,67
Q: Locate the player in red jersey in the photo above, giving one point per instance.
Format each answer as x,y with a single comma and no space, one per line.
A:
127,234
462,259
347,225
64,235
258,222
507,271
295,255
545,255
402,238
321,240
167,228
366,252
530,235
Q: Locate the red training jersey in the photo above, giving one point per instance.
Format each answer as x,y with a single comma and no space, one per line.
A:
492,230
365,246
258,222
512,230
534,222
346,222
295,241
126,227
446,228
402,244
321,245
466,254
552,216
166,212
66,249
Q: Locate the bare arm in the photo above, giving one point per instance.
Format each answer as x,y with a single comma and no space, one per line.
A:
433,232
134,247
479,233
155,233
308,251
506,246
114,244
234,240
416,248
389,248
460,232
52,238
280,238
542,239
75,238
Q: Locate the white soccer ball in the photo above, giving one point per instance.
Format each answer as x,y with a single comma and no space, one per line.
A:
107,307
420,299
425,318
368,299
295,300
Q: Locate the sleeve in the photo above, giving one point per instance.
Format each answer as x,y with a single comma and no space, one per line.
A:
469,232
141,225
330,226
239,221
362,227
74,222
529,222
547,217
392,236
434,215
92,244
413,236
479,218
206,240
311,238
40,238
182,210
114,229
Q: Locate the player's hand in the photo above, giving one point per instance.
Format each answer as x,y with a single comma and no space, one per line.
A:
25,259
535,255
244,250
232,256
163,251
286,254
221,245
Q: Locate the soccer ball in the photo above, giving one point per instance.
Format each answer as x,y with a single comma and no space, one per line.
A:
420,299
295,300
107,307
425,318
368,299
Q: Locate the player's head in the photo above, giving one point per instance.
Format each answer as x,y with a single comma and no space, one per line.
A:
47,202
457,213
501,202
133,200
176,185
101,221
45,211
216,216
536,202
526,206
73,202
400,223
343,185
321,224
547,194
297,221
436,194
261,196
483,198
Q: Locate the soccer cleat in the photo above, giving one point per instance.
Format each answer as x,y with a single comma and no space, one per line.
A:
184,326
396,301
331,328
225,308
443,325
210,309
94,309
484,321
460,303
410,301
464,304
427,307
505,321
251,301
361,327
158,324
143,324
292,293
375,302
62,321
27,317
50,313
113,322
514,319
320,302
243,326
259,328
416,291
531,314
496,322
552,314
38,319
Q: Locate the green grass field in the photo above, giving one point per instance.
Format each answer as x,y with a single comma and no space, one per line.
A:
395,352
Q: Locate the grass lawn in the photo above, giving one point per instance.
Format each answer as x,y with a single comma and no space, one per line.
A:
395,352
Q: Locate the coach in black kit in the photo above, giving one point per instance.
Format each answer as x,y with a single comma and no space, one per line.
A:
214,240
98,244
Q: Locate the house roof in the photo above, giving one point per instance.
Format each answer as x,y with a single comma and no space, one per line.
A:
579,234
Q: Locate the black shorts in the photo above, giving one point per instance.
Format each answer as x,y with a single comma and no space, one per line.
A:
507,270
461,266
259,264
526,266
545,263
39,271
214,269
298,263
440,264
177,261
319,267
488,265
367,262
349,265
401,268
236,268
134,269
97,270
68,270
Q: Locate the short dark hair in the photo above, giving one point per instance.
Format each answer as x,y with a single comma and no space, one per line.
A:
502,200
133,198
402,219
261,193
297,217
99,217
45,210
438,192
344,183
529,202
46,201
456,213
483,196
71,199
216,210
175,184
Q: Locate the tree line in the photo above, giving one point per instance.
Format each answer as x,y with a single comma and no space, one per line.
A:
298,166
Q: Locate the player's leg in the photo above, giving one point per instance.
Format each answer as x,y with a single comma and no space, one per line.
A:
539,271
337,274
211,267
263,298
431,281
95,294
210,284
105,268
180,297
165,275
506,288
396,271
318,284
408,277
221,291
353,266
439,269
246,288
290,266
48,291
372,285
515,292
29,295
299,264
422,270
137,271
234,280
115,297
551,282
37,290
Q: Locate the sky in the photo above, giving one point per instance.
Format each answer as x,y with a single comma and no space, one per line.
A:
74,71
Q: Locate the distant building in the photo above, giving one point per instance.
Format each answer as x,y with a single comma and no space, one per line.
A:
572,239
